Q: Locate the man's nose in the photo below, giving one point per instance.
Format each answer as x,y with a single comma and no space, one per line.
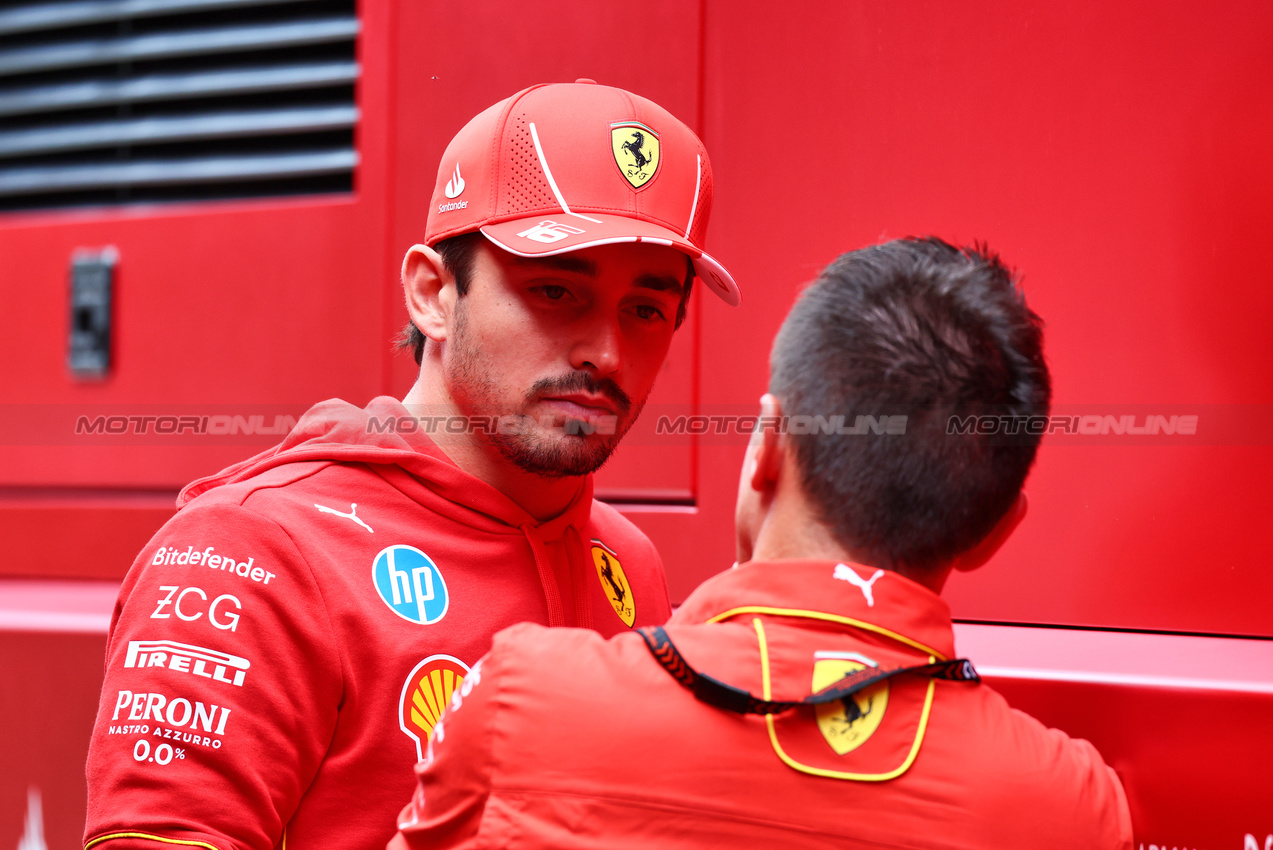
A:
597,347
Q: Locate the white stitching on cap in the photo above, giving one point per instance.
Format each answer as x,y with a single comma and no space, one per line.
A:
613,240
698,181
552,184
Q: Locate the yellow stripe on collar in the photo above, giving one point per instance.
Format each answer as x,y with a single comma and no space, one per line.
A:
830,618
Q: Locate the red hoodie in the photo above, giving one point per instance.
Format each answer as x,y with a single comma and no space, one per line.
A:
283,646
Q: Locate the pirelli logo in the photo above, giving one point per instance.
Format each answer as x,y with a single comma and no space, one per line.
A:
187,658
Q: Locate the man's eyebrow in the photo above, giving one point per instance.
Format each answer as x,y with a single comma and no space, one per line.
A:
558,262
661,283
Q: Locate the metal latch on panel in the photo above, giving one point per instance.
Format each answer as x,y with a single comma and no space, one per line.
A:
92,284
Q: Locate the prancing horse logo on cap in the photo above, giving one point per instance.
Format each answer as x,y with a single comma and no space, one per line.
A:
636,151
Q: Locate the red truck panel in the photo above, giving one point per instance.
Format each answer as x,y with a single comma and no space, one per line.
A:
1117,155
1183,719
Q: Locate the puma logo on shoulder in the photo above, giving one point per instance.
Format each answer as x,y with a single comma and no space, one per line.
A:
846,573
353,511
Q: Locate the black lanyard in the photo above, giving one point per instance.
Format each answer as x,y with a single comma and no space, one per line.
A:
717,693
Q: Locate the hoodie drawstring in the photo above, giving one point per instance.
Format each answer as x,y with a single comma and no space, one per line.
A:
546,578
580,573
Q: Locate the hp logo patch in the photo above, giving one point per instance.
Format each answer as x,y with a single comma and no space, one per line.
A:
410,584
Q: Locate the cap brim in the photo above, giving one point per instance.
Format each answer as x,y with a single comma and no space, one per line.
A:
558,233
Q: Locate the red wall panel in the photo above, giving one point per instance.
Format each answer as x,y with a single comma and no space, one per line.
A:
1117,156
229,307
47,714
1113,155
1182,719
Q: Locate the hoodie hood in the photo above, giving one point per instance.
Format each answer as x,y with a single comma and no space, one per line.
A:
336,431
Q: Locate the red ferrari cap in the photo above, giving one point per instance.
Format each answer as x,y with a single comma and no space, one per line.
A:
561,167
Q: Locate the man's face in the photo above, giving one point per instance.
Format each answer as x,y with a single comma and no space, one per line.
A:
564,348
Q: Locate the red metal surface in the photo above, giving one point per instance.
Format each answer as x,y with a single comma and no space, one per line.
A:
219,307
1116,155
46,711
1183,719
52,641
1126,187
78,534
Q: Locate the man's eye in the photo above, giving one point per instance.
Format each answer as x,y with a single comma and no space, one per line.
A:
648,312
552,292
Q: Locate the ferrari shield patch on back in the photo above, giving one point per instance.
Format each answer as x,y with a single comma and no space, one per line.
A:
613,582
636,151
848,723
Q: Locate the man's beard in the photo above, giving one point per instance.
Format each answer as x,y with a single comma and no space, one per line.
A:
547,450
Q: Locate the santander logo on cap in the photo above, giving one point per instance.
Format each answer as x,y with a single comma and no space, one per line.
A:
455,185
563,167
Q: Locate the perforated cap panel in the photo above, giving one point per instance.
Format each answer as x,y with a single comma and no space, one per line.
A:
525,187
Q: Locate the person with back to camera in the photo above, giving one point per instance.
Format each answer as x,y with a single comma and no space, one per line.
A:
810,697
282,647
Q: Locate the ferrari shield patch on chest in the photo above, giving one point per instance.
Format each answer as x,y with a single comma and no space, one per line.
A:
613,582
636,151
849,723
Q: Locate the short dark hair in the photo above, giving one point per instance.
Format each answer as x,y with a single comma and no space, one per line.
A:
920,328
457,255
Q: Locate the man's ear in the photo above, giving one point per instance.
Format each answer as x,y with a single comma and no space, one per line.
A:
770,453
982,552
429,288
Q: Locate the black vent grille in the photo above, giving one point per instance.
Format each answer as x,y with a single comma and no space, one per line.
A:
144,101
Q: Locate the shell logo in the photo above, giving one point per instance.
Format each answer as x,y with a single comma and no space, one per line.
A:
425,696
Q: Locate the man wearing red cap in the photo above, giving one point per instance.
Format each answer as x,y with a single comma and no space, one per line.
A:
811,696
283,646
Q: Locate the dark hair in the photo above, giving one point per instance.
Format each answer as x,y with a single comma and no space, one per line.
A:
457,255
913,327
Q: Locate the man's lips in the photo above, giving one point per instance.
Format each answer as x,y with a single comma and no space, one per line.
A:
581,406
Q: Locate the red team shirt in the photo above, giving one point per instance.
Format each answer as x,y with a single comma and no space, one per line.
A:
562,739
282,648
